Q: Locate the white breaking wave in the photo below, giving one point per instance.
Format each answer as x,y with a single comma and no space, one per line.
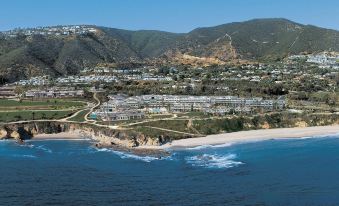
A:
125,155
43,148
322,136
26,145
58,139
213,161
210,146
25,156
317,136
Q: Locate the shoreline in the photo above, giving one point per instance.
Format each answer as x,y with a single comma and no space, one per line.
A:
210,140
248,136
74,135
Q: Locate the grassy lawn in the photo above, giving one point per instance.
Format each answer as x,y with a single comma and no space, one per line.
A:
176,125
28,115
6,104
156,132
120,123
192,115
79,117
215,126
159,116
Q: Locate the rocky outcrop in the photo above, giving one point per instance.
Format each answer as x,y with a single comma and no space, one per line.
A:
104,135
3,134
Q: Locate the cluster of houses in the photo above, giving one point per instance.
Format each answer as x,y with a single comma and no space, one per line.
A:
7,92
148,77
122,107
55,92
88,79
34,81
323,58
108,70
52,31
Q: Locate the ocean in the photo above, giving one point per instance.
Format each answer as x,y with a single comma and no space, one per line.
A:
272,172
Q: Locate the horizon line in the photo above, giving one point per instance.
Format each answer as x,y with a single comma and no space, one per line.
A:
112,27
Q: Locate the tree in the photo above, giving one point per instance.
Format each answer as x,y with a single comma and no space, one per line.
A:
19,90
336,78
188,89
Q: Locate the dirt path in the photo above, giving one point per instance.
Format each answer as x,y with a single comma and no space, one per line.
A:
92,109
169,130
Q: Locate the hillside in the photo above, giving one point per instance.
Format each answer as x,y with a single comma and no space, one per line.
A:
260,39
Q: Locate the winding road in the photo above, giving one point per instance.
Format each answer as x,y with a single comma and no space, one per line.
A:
92,108
66,119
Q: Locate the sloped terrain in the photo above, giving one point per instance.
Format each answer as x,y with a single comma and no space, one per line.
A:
259,39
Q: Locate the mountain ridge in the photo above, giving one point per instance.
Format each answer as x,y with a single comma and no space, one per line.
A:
22,56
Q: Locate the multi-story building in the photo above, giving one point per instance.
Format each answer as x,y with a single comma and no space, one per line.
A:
54,93
7,92
121,115
119,104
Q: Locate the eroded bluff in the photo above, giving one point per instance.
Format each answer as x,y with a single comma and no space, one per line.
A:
104,135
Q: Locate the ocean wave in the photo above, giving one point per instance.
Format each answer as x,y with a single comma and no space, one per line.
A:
126,155
58,139
40,147
335,135
43,148
24,156
209,146
322,136
27,145
213,161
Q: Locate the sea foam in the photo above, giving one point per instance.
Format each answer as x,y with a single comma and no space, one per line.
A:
210,146
24,156
39,148
213,161
43,148
126,155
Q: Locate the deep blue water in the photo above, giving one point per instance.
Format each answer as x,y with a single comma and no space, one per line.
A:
274,172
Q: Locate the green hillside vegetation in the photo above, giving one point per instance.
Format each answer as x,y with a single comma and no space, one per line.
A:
30,115
36,105
259,39
80,117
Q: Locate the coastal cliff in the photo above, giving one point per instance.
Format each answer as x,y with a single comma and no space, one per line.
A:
134,136
104,135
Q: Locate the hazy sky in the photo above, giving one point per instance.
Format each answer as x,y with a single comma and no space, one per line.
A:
167,15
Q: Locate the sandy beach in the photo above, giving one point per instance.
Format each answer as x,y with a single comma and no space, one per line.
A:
218,139
250,136
75,135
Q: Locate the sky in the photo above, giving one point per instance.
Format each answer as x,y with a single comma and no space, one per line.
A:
167,15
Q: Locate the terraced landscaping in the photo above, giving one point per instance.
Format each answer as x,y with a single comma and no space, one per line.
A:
6,104
22,110
10,116
80,117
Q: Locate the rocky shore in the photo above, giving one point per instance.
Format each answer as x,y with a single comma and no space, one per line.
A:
278,126
104,136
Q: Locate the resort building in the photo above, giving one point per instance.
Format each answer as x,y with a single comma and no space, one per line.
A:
54,93
122,107
121,115
7,92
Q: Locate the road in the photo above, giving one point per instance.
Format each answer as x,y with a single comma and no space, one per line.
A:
95,106
169,130
66,119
